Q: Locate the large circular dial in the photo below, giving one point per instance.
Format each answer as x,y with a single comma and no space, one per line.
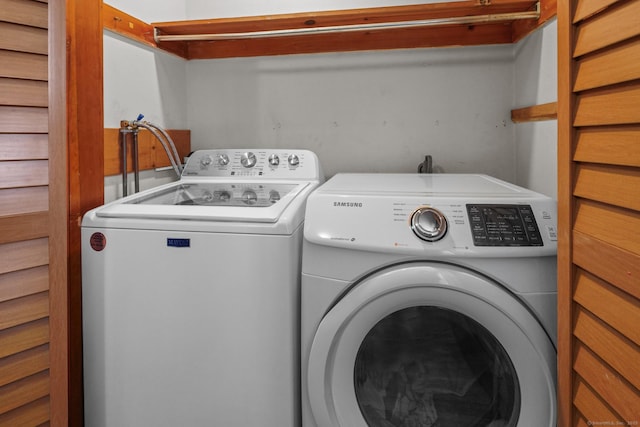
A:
248,160
429,224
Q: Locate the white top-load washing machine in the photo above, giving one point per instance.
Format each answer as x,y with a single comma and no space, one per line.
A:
428,300
191,295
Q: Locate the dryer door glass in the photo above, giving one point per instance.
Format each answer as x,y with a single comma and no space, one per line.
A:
431,366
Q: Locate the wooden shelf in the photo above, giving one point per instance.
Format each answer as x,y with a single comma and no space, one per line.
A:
435,34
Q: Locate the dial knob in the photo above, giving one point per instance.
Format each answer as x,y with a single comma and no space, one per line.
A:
205,161
293,160
274,160
250,197
248,160
429,224
223,159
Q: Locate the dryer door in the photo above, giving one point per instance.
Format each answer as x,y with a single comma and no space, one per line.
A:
431,344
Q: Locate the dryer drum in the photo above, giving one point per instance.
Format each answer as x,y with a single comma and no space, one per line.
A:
431,366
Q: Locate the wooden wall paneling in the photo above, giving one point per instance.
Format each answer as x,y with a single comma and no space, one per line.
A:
622,225
615,185
151,154
609,304
24,391
596,32
23,92
24,173
621,396
587,8
22,255
85,128
616,65
24,282
24,310
60,321
23,120
23,39
614,265
24,146
15,201
613,348
611,106
32,414
618,145
24,227
24,337
590,405
566,409
28,13
23,65
24,364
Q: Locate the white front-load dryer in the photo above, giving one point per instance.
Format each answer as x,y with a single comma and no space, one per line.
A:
428,300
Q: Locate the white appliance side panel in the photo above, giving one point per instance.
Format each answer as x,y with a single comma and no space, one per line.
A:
199,335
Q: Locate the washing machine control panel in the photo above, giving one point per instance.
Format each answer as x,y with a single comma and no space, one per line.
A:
253,163
503,225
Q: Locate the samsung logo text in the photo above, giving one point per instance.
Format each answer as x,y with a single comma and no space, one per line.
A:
347,205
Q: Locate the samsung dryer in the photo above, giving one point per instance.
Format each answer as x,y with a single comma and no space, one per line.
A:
428,300
191,295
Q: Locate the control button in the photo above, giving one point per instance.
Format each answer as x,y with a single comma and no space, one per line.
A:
223,159
224,196
274,160
552,233
429,224
274,196
250,197
248,160
293,160
206,161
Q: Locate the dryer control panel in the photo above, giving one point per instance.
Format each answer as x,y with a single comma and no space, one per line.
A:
503,225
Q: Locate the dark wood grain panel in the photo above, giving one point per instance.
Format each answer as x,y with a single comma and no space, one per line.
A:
24,310
24,364
23,392
16,201
24,282
33,414
24,337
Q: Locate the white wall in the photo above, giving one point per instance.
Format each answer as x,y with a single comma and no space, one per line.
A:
536,83
362,111
366,111
138,80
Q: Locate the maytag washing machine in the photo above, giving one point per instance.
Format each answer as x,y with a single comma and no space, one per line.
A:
428,300
191,295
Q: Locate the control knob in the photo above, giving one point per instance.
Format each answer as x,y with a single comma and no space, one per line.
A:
223,159
248,160
250,197
293,160
205,161
429,224
274,160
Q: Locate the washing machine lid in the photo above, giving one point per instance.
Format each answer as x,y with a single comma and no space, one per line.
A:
333,371
214,200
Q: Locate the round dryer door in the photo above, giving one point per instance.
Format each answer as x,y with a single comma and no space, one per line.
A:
431,344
